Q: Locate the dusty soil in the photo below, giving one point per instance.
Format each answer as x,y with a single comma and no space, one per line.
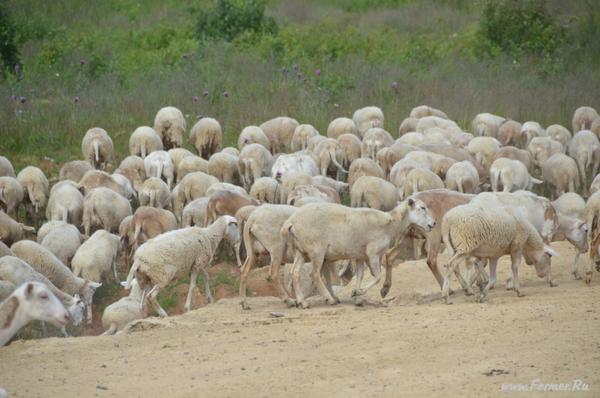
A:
416,346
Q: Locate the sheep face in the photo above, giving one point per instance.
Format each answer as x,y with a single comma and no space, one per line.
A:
88,292
577,236
233,233
419,215
541,260
43,305
76,310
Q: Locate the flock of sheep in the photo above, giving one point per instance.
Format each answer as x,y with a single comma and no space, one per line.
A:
166,210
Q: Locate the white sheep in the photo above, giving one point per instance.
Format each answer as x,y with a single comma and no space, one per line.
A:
280,131
254,162
65,204
531,130
11,230
595,185
97,147
253,135
11,195
126,184
299,162
123,311
515,153
6,287
191,164
368,117
363,167
583,118
462,177
541,148
5,251
225,167
411,138
350,145
373,140
570,204
155,193
483,149
192,186
339,186
314,141
194,213
595,128
97,256
419,180
510,175
342,125
170,125
35,188
560,171
62,240
266,189
560,134
143,141
207,137
291,180
133,168
6,167
176,254
329,154
375,193
97,178
421,111
302,134
104,208
509,133
585,149
486,125
408,125
428,122
74,170
159,164
225,186
30,301
591,215
231,150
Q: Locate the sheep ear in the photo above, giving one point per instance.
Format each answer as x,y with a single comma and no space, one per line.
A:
411,202
536,181
29,290
550,251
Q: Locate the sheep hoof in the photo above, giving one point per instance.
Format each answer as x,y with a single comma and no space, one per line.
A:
520,293
244,305
332,301
469,292
588,278
481,298
552,283
290,302
384,291
357,292
576,275
303,305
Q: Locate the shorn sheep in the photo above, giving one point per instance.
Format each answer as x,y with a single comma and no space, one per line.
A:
314,232
584,148
30,301
225,167
170,125
104,208
302,134
97,147
155,193
177,254
97,256
207,137
63,241
35,188
462,177
74,170
143,141
11,195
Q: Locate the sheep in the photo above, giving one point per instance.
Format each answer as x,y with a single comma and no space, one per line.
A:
224,202
373,140
225,167
46,228
63,240
170,125
366,118
18,272
123,311
11,195
421,111
74,170
412,138
595,128
144,140
207,137
192,186
5,251
155,193
329,154
363,167
148,222
225,186
65,204
10,230
462,177
194,213
342,125
313,142
190,164
428,122
486,125
136,165
6,168
408,125
514,153
483,149
231,150
509,133
350,145
261,233
35,188
458,154
294,163
583,118
301,135
323,194
591,215
280,131
176,254
585,149
132,176
291,180
314,232
339,186
96,179
159,164
531,130
418,180
510,175
6,287
177,156
375,193
439,164
103,207
254,162
253,135
30,301
560,134
97,148
97,256
489,233
125,184
595,185
570,204
266,189
573,230
541,148
560,171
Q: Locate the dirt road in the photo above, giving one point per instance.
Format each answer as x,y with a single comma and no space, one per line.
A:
416,347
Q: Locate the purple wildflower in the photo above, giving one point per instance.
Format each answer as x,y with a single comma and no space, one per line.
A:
23,100
284,69
205,93
13,97
318,72
295,67
394,85
225,94
196,98
82,62
76,99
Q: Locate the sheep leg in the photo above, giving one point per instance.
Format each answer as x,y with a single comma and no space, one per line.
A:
151,297
114,268
188,300
452,264
360,273
327,270
298,263
246,268
375,268
432,256
315,274
470,269
274,267
491,281
515,260
209,295
575,270
111,330
459,277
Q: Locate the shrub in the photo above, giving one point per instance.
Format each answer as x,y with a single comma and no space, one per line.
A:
9,52
227,19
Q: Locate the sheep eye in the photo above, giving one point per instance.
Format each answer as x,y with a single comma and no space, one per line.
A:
44,296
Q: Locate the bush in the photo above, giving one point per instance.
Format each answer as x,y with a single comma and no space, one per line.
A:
9,52
228,19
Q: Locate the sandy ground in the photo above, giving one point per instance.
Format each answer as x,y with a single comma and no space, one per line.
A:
414,347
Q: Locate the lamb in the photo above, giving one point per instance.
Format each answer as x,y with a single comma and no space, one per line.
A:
574,231
302,134
329,154
314,231
541,148
421,111
262,234
47,264
373,140
375,193
489,233
31,301
531,130
560,134
280,131
10,230
103,207
408,125
522,155
63,240
585,149
366,118
418,180
192,186
207,137
96,178
342,125
6,168
155,193
225,167
511,175
254,162
123,311
462,177
483,149
363,167
97,256
176,254
486,125
294,163
560,171
253,135
143,141
35,185
266,189
583,118
170,125
223,203
159,164
194,213
11,195
509,133
66,204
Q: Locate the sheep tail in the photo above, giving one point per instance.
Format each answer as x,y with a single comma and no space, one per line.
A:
159,169
143,149
459,185
334,160
494,179
136,236
287,236
65,214
152,200
247,166
96,151
131,275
